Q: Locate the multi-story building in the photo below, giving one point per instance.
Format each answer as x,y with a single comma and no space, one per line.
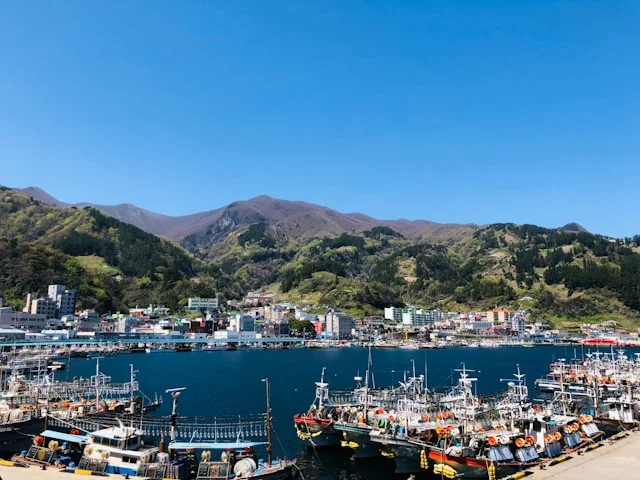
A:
518,325
500,315
64,298
198,304
339,324
40,306
393,314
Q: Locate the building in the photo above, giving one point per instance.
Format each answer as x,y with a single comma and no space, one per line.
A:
24,320
65,299
197,304
393,314
258,298
518,325
40,306
339,325
500,315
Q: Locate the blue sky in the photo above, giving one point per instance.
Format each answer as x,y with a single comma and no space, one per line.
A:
457,111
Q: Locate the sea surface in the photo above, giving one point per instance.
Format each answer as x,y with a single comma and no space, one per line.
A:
226,383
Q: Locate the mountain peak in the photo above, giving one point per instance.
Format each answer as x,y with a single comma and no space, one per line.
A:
573,227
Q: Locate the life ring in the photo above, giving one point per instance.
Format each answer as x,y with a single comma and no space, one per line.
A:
548,438
530,440
557,436
493,441
520,442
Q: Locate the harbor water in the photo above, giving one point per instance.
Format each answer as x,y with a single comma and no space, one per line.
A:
224,383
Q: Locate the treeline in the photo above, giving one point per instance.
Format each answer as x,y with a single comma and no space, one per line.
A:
133,251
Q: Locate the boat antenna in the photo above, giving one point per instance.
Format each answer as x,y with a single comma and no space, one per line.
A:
266,383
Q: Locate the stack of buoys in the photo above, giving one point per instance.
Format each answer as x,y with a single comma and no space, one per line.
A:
424,463
445,470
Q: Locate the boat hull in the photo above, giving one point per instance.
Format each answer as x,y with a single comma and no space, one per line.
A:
19,436
317,432
359,440
472,467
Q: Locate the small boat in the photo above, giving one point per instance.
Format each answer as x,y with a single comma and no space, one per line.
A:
184,347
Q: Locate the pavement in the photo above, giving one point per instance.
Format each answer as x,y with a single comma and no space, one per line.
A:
619,460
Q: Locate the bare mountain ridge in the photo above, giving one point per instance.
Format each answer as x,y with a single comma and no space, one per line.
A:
297,219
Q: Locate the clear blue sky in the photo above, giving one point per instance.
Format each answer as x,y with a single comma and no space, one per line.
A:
452,111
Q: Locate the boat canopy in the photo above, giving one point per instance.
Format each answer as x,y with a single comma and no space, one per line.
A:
213,445
64,437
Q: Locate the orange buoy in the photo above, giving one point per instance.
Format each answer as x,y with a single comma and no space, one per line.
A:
557,436
440,431
581,419
425,417
548,438
520,442
392,418
530,440
438,416
493,441
446,414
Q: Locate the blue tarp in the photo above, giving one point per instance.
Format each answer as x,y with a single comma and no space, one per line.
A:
64,437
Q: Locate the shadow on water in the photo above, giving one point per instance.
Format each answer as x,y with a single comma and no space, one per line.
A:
229,383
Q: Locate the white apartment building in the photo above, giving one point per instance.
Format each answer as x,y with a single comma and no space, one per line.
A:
200,304
64,298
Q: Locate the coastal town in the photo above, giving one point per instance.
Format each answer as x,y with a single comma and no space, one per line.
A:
258,316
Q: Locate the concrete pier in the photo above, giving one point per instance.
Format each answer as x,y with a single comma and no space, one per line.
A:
619,460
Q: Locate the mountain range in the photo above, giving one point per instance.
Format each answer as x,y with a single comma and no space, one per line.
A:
121,256
299,220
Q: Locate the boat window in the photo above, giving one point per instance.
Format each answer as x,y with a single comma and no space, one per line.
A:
537,426
129,459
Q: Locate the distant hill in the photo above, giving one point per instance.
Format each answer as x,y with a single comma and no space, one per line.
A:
573,227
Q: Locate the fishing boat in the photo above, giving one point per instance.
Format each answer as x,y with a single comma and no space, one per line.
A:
18,426
316,426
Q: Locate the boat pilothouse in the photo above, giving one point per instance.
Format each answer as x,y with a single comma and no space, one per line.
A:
121,446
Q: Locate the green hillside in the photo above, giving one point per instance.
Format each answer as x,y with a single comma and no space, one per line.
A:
562,276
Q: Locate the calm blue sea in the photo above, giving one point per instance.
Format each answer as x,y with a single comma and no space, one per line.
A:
229,383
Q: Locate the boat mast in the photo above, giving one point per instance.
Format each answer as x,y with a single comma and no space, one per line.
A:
266,382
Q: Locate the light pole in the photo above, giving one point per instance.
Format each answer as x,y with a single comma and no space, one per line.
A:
175,393
266,382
